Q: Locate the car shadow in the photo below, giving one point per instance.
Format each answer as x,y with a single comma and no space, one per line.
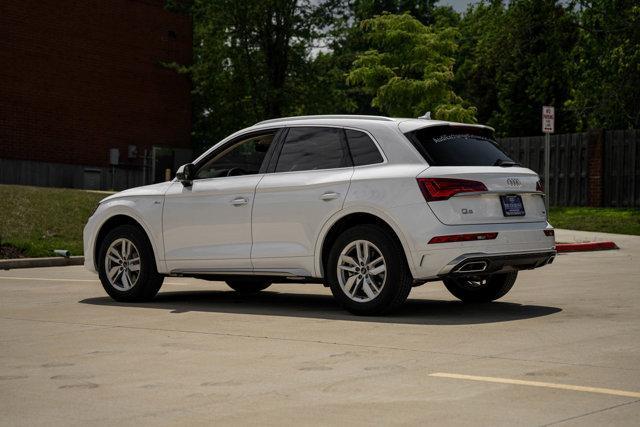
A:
414,311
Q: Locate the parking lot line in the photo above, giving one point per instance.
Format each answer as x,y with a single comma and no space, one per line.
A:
48,279
610,391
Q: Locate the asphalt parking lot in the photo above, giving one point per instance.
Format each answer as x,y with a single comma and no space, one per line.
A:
562,348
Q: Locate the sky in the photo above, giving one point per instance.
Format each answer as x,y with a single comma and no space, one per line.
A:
458,5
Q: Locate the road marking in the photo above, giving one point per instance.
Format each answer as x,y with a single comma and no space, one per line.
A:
48,279
70,280
610,391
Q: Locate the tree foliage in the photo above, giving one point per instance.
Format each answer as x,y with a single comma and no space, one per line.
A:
514,60
499,62
607,94
409,69
252,62
423,10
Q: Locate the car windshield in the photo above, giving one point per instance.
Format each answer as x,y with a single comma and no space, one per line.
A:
459,146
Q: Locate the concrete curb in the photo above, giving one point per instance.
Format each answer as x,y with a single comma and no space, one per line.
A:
8,264
586,246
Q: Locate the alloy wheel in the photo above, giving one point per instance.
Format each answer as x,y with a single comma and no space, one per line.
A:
122,264
362,271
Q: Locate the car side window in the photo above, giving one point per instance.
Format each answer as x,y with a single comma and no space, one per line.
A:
311,148
363,149
243,157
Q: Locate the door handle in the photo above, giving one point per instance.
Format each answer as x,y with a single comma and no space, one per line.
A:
240,201
329,196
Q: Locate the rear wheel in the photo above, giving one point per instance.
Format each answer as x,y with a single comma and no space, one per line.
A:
246,286
367,272
481,289
127,266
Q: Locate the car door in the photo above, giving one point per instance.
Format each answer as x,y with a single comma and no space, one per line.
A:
207,225
310,179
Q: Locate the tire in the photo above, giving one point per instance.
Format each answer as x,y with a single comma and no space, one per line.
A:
248,286
370,291
144,282
477,291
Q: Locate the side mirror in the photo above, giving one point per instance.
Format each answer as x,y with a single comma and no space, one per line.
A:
186,174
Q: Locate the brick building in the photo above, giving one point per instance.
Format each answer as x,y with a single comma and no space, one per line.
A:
82,88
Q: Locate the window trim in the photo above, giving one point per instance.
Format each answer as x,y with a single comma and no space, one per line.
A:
283,139
375,141
375,144
276,153
276,137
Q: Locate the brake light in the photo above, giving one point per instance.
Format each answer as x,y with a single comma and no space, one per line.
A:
463,237
435,189
539,186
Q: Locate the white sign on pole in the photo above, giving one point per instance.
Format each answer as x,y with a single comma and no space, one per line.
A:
548,119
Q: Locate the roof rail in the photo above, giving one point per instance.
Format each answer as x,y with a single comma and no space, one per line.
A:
327,116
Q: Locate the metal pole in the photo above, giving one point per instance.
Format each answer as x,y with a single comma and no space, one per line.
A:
547,159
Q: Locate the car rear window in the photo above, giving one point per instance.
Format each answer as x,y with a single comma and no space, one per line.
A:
458,146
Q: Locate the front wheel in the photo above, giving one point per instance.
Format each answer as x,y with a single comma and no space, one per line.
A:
126,265
367,272
481,289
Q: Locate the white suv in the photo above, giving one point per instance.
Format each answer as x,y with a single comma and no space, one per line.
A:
369,206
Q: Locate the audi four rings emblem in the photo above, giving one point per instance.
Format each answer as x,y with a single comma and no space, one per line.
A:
514,182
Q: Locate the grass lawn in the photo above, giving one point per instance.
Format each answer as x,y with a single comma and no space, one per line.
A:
606,220
37,220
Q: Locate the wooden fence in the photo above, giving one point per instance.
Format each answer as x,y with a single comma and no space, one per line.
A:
599,168
568,171
621,180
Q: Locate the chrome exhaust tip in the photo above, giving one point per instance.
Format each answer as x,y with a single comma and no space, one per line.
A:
472,267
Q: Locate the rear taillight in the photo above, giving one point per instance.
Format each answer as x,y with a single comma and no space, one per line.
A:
434,189
549,233
539,186
469,237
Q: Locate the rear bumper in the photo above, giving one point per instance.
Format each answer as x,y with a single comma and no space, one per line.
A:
478,263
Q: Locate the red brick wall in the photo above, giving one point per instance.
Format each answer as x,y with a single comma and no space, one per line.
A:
80,77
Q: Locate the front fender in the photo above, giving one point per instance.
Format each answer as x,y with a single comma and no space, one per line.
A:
146,211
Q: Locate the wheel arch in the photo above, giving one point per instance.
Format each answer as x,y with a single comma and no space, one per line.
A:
339,224
114,221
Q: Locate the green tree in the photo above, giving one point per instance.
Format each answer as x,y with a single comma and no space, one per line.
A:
516,58
607,92
422,10
409,69
253,60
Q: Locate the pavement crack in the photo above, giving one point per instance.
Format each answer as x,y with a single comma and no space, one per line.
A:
226,334
591,413
552,362
336,343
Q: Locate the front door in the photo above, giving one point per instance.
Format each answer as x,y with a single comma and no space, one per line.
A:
207,226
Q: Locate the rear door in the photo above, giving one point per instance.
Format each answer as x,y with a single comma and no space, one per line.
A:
472,181
310,179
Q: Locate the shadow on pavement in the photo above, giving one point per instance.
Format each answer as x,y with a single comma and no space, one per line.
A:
414,311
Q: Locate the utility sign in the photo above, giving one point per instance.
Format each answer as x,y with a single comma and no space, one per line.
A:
548,119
